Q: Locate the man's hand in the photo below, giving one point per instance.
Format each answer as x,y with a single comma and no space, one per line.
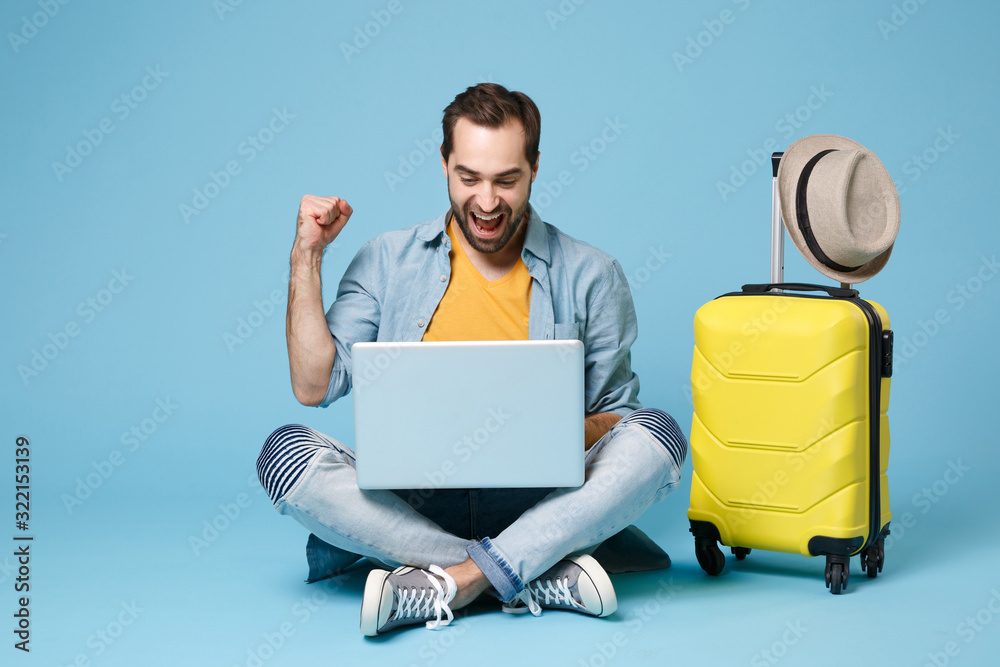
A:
320,221
596,425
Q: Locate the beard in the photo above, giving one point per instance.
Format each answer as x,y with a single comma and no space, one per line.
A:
511,223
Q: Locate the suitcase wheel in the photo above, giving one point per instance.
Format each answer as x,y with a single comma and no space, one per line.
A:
741,553
837,573
873,558
709,555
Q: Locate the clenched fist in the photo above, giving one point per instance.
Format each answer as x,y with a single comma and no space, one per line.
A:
320,221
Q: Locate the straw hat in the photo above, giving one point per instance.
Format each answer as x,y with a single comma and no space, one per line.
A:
839,205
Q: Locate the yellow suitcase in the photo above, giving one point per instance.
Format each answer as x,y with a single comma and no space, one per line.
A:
790,438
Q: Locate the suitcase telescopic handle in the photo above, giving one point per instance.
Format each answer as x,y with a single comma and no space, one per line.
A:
802,287
778,230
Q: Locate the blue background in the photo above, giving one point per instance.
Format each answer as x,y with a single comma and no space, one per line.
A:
916,82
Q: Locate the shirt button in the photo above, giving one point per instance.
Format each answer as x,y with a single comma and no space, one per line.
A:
444,278
420,323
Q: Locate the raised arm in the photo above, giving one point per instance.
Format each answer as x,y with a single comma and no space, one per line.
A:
311,349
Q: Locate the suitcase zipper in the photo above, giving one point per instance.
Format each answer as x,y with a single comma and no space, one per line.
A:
876,364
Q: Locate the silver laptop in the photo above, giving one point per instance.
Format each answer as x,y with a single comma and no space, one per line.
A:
469,414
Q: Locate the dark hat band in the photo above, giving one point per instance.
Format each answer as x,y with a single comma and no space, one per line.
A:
802,217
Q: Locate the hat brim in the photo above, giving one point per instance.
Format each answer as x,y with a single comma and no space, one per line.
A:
792,162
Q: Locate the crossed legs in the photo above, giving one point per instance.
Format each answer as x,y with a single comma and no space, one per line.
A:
312,478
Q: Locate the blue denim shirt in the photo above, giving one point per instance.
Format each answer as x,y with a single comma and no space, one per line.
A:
393,286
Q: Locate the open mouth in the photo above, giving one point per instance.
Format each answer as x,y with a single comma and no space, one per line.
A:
487,225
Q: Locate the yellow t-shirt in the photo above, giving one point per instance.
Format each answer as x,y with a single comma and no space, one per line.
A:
474,308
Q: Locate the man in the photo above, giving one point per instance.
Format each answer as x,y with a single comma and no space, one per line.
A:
487,269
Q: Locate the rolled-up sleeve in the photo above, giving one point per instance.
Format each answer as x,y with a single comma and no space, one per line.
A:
610,330
354,316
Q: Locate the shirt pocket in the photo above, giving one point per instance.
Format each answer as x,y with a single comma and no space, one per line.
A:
568,331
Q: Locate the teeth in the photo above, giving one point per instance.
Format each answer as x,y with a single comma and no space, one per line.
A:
489,217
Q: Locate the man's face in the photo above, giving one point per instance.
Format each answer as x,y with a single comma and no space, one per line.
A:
489,183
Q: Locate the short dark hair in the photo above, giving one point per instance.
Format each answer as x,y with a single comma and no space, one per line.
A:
492,105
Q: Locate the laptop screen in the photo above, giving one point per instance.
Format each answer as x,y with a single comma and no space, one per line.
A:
469,414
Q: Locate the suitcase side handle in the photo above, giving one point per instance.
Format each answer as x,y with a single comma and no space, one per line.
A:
802,287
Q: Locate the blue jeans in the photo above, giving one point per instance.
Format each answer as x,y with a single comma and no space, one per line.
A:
513,535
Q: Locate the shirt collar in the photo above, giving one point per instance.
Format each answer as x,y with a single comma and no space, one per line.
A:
433,230
536,239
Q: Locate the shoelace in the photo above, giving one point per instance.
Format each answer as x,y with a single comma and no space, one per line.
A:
414,605
552,592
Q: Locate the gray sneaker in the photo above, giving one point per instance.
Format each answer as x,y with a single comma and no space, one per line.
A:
405,596
574,584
